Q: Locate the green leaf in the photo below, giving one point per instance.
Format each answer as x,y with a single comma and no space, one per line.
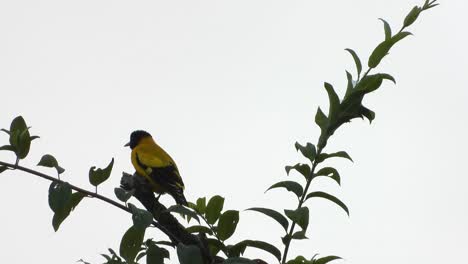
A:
227,224
23,145
49,161
193,207
8,148
383,48
199,229
412,16
286,239
238,260
329,172
141,217
140,255
156,255
59,217
340,154
369,114
386,76
330,198
429,5
369,84
3,168
75,199
273,214
18,124
123,195
98,176
400,36
325,260
183,211
299,235
321,119
356,59
387,29
214,245
201,205
303,169
352,103
107,257
350,85
334,101
308,150
6,131
288,185
189,254
113,253
323,122
299,260
131,243
62,201
214,208
14,138
300,216
379,53
20,139
236,250
59,196
260,245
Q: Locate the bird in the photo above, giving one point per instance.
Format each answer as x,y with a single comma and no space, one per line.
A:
153,163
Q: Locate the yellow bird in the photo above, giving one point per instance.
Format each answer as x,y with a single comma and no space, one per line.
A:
152,162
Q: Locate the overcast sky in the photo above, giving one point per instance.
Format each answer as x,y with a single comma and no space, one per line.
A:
227,87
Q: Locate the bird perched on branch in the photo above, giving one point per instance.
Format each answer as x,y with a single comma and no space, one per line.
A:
152,162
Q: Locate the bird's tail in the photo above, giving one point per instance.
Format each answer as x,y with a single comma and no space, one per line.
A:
179,197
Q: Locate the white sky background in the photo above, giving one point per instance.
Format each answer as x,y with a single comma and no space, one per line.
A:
227,87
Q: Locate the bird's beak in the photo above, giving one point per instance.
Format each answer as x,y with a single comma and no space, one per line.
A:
127,145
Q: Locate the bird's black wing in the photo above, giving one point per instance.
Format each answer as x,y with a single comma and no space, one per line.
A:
168,177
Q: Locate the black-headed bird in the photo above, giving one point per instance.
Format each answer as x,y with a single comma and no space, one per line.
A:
152,162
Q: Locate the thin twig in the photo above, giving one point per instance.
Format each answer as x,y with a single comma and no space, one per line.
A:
301,201
78,189
215,234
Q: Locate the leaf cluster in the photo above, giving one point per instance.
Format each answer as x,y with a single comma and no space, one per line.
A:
62,201
313,260
214,224
153,251
340,111
19,137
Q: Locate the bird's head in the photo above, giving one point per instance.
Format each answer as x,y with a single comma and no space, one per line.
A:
136,137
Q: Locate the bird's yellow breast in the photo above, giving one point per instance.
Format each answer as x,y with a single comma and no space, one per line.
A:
148,155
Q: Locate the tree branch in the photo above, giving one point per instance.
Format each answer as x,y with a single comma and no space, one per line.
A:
165,221
78,189
145,195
